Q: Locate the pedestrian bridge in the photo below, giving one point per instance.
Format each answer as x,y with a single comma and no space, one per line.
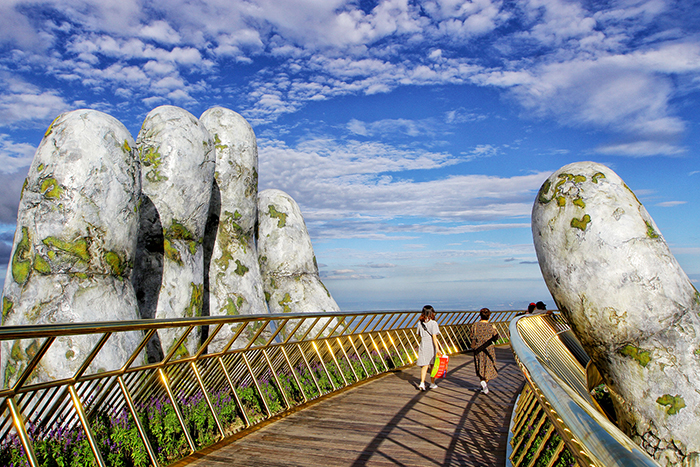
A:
332,389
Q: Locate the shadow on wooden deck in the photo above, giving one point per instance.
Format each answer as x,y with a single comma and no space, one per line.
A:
389,422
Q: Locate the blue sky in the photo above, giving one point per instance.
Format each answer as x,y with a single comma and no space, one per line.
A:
413,134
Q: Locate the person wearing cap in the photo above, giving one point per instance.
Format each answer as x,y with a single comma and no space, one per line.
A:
530,309
541,308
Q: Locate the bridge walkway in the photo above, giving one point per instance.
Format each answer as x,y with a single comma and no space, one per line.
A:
388,422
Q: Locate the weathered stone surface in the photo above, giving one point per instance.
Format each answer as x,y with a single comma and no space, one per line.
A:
287,262
631,305
177,158
74,244
235,283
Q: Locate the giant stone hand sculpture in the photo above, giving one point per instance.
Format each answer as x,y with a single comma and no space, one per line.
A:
235,284
287,261
177,155
74,244
631,305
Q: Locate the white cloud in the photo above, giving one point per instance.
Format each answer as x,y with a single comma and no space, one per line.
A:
22,102
670,204
14,156
354,189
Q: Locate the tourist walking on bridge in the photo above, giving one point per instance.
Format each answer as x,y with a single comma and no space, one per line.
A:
482,335
429,346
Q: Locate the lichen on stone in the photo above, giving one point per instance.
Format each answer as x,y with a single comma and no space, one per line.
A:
115,263
21,259
151,158
641,356
77,248
41,266
196,300
581,223
280,216
232,308
50,188
674,403
544,189
284,303
651,233
580,203
7,306
125,147
170,252
597,176
241,269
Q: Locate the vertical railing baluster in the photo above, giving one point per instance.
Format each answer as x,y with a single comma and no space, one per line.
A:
294,374
369,355
21,429
277,380
176,408
352,368
337,365
86,426
323,364
139,427
308,367
257,386
359,357
197,375
246,420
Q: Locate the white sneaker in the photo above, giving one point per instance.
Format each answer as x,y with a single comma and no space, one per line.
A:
484,387
433,386
485,391
421,386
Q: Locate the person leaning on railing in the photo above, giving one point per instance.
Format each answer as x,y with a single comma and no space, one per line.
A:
482,335
429,346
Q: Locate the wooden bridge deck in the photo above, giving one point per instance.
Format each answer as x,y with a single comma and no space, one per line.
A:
389,422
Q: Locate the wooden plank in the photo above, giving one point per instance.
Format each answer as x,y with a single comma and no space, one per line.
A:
389,422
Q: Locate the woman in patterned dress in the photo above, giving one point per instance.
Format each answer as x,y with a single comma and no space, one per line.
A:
429,346
483,334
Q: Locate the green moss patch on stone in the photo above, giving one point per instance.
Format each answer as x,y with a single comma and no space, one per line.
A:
170,252
641,356
7,306
542,194
597,176
50,128
580,203
21,259
181,351
280,216
178,231
651,233
115,263
217,143
77,248
50,188
632,192
70,355
674,403
579,178
267,296
40,168
196,300
581,223
233,308
241,269
284,303
125,147
151,159
561,201
41,266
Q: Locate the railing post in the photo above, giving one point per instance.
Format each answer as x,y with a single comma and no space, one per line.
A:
21,428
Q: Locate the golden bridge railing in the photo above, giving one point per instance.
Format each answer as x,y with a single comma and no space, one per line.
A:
154,413
556,422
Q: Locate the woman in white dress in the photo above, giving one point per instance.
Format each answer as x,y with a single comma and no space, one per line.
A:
429,347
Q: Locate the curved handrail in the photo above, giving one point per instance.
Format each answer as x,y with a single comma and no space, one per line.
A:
559,382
